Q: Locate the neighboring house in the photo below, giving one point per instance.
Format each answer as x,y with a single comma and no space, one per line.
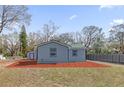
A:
56,52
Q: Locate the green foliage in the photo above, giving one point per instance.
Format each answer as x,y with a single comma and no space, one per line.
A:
6,54
90,52
21,54
23,41
117,37
97,46
101,51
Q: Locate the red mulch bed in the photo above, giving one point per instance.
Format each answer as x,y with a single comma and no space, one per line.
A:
33,64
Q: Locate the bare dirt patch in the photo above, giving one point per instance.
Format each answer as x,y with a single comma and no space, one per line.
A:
4,63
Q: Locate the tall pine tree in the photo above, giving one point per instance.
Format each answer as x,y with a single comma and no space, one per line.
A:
23,41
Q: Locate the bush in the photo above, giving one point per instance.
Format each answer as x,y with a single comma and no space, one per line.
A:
21,54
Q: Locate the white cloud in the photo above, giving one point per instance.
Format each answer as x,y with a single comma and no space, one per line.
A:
108,6
117,21
73,17
105,6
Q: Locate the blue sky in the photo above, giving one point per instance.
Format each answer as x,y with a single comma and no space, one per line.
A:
74,18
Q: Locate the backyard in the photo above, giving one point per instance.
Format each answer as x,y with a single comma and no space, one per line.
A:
59,77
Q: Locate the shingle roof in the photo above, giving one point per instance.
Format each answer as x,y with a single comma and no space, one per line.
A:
71,46
76,46
54,41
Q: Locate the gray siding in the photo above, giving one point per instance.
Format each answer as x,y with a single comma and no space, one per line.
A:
44,53
80,55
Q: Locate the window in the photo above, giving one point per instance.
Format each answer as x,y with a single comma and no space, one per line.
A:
74,52
53,52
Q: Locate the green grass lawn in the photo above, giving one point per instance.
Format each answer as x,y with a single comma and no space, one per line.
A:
75,77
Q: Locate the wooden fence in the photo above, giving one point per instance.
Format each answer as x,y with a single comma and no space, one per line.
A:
113,58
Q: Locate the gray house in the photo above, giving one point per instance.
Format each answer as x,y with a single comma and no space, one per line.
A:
56,52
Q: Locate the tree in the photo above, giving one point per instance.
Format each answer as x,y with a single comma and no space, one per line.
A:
89,34
34,38
23,40
13,16
98,45
11,43
117,37
48,31
1,43
65,38
78,38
